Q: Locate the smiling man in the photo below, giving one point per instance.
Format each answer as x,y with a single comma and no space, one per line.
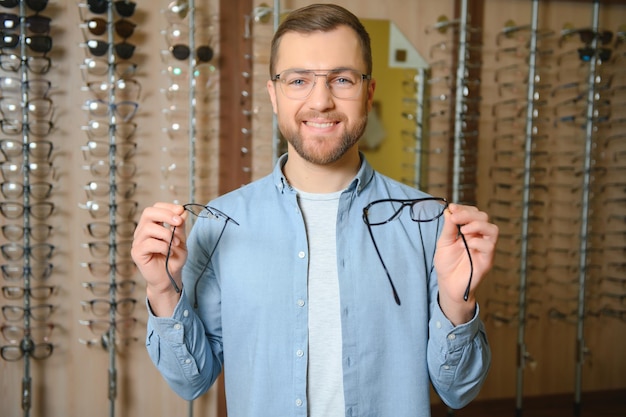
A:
324,289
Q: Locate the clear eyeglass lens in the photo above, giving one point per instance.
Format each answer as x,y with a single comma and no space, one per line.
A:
343,84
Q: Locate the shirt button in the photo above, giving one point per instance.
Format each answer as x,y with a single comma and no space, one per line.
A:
299,402
299,352
187,360
438,324
300,303
186,313
177,326
446,367
301,254
451,336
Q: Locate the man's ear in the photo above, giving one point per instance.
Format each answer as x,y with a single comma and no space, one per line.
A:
271,89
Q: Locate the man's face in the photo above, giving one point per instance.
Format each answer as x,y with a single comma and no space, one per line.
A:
321,128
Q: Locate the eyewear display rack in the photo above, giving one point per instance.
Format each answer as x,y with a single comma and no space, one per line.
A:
110,148
447,111
30,121
556,136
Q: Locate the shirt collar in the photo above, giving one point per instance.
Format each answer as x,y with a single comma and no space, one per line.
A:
360,181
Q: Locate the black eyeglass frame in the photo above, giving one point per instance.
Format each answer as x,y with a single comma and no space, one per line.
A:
213,212
410,203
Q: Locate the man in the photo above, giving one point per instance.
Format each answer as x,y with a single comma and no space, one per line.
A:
311,303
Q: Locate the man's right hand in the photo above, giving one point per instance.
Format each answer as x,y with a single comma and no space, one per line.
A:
149,251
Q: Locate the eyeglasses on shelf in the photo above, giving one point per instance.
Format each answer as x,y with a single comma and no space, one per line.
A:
40,210
13,333
36,23
99,327
36,64
40,312
421,210
104,269
39,251
100,288
12,149
37,232
103,307
27,347
99,26
34,5
101,230
37,271
37,190
42,292
123,8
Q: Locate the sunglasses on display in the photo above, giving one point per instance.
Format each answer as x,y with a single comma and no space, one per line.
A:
37,43
99,26
122,7
36,23
34,5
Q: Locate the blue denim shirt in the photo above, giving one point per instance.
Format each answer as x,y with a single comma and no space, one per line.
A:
247,312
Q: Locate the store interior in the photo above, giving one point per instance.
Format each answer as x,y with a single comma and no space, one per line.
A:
516,106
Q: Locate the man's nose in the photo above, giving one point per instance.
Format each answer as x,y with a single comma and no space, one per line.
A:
321,95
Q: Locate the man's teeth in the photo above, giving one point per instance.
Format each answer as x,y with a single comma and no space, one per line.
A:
320,125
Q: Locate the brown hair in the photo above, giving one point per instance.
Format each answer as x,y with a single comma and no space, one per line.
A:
321,17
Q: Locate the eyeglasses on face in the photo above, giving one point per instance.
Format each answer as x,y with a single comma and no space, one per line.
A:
103,307
37,271
421,210
343,83
36,64
34,5
40,312
35,23
100,289
36,43
27,347
200,211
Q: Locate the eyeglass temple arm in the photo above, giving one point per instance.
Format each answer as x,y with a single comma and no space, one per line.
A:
393,287
167,259
469,257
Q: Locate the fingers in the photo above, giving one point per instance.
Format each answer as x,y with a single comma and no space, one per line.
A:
153,232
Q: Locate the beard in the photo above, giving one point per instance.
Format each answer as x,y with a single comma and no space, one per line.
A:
322,149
